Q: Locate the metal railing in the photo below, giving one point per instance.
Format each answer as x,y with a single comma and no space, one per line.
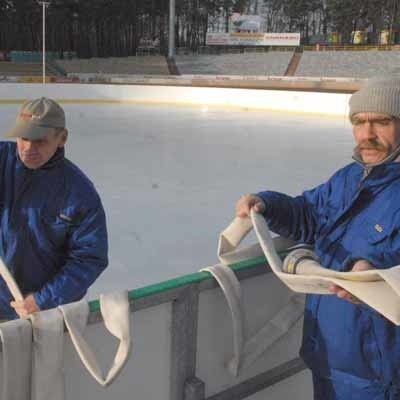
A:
351,47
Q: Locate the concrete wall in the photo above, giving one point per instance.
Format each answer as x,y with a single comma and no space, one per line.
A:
278,100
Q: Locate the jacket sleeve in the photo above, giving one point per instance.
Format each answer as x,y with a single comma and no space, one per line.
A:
297,217
86,258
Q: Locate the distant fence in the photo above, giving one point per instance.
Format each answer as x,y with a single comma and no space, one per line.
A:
263,49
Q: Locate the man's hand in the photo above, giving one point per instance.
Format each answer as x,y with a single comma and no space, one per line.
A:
360,265
247,202
25,307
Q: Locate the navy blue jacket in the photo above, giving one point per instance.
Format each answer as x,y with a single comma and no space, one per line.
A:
53,235
350,217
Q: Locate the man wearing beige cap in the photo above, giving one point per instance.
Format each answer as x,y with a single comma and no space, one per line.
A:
53,235
353,223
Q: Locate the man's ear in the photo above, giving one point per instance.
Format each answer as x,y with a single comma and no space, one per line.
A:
63,138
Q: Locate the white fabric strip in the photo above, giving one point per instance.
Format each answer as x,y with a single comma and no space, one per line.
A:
16,339
231,289
32,352
47,356
115,312
247,351
11,284
34,370
379,288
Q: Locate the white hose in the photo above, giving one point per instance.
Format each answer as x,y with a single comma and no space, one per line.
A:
48,337
246,351
11,284
115,311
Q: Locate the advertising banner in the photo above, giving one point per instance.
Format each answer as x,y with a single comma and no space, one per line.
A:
253,39
245,23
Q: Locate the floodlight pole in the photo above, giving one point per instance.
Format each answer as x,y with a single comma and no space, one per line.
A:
171,35
44,4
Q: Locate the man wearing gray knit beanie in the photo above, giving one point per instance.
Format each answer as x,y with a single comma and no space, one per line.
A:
353,223
374,113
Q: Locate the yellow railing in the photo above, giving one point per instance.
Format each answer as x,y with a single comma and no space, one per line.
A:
351,47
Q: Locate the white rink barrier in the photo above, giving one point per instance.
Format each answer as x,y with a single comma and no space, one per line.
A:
333,104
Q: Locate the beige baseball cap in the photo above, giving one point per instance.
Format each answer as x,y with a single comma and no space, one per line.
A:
37,118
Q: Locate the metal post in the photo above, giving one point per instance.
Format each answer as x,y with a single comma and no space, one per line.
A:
194,389
171,34
184,343
44,5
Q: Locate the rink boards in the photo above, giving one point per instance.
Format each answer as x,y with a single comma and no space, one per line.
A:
182,340
317,103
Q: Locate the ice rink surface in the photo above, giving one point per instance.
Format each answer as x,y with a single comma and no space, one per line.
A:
170,176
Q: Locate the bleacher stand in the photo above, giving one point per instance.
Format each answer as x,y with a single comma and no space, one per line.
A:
144,65
349,64
248,63
253,61
8,68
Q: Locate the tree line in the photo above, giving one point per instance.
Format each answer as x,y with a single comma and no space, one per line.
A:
104,28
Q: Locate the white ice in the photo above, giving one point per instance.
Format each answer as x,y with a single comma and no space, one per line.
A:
169,177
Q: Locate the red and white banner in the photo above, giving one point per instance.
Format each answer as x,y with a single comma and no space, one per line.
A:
253,39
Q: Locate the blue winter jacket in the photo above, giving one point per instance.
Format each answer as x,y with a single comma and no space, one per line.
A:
352,216
53,235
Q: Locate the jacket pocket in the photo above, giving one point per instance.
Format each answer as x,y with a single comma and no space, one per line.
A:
57,229
376,232
378,242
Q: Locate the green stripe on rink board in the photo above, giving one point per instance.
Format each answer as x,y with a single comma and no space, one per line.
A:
180,281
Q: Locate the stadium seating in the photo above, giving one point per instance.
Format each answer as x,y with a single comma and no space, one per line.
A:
248,63
143,65
352,64
23,69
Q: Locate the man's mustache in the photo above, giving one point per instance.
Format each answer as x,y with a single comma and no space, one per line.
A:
370,144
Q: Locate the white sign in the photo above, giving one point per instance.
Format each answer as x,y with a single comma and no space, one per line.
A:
246,23
253,39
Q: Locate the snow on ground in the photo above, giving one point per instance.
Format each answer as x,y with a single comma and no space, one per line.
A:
169,177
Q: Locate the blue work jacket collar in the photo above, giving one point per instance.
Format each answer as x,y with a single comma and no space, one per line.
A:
55,160
382,172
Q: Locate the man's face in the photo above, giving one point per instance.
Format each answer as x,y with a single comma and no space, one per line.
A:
376,135
35,153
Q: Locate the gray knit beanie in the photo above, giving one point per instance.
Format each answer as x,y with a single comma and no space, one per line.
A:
378,95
